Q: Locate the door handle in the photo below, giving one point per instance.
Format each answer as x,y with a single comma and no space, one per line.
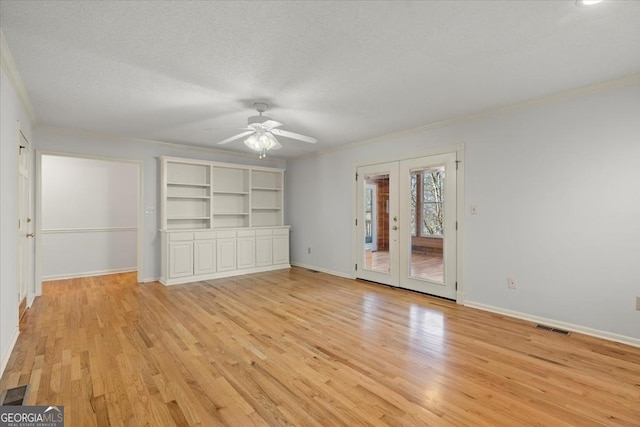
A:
31,234
395,227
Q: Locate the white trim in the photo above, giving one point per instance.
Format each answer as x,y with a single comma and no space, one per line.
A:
433,151
149,280
491,112
88,274
9,65
460,218
635,342
87,230
95,134
323,270
222,274
7,354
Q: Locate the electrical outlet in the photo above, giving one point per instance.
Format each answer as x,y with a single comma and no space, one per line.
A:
638,303
511,282
309,250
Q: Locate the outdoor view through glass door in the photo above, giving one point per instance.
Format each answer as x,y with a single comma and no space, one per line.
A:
408,212
377,203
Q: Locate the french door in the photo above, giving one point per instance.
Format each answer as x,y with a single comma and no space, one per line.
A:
411,205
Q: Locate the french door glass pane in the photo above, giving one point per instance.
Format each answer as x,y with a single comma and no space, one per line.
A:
376,206
427,223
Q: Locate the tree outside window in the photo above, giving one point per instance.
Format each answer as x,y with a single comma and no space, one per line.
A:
427,193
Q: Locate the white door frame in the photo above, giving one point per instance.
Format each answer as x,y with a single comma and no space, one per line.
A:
38,220
25,247
459,149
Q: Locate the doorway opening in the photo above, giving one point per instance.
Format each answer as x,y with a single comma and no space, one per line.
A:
89,218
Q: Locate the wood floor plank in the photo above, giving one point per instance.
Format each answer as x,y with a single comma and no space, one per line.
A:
301,348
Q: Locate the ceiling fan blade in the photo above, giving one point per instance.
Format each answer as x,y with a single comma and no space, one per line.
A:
233,138
294,135
270,124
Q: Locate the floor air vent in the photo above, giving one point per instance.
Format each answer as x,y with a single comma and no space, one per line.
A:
550,329
14,396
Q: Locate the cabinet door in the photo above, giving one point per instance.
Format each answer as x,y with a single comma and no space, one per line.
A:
264,251
246,252
180,259
226,254
204,257
281,249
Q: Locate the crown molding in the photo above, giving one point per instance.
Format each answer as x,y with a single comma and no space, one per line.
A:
94,134
497,111
9,66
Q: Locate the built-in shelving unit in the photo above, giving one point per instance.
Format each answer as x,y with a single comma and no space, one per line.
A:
220,219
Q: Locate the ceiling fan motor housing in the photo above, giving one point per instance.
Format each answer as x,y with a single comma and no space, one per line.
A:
257,120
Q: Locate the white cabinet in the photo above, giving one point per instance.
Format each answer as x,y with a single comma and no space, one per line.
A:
204,252
264,250
180,259
246,252
227,254
281,248
220,219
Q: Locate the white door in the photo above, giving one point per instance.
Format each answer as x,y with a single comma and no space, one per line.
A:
415,206
24,221
428,231
379,265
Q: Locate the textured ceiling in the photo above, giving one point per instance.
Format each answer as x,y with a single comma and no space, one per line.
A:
189,72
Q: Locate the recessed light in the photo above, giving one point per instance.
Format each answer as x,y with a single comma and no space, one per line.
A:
587,2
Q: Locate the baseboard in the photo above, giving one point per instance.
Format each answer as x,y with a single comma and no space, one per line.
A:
88,274
151,279
635,342
221,274
7,353
323,270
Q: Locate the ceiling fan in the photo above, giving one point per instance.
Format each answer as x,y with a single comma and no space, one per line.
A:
261,131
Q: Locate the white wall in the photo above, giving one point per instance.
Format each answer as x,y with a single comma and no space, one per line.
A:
557,186
75,142
12,111
89,214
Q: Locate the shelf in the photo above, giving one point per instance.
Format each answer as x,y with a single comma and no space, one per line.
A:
204,194
182,218
188,184
189,197
231,213
243,193
266,189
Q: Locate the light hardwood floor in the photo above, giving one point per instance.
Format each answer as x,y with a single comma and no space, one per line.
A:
294,347
429,266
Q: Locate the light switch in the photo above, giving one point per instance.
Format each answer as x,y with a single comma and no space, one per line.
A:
150,210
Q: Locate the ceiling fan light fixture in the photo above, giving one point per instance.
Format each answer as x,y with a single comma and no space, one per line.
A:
262,142
587,2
